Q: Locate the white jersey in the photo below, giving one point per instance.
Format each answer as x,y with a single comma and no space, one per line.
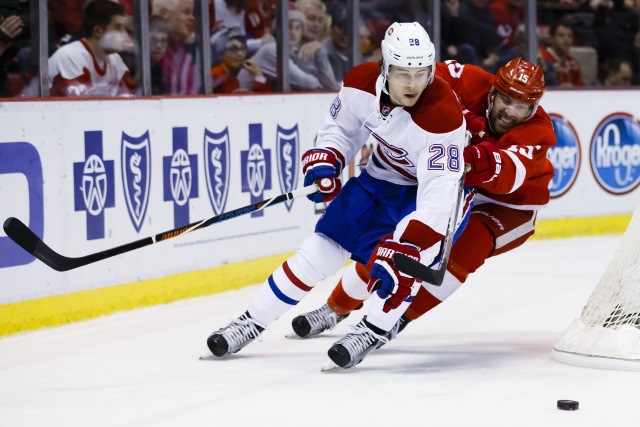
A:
420,145
74,71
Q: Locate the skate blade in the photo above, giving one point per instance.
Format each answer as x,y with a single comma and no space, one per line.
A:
330,366
208,356
292,335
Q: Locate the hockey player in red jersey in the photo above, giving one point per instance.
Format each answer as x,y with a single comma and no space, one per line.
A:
510,174
407,190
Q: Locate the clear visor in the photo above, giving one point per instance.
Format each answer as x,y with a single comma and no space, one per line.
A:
409,76
517,110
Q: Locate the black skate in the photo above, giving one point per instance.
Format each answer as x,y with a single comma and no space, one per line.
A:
397,328
315,322
235,336
351,349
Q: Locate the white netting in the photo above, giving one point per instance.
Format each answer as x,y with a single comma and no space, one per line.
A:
607,335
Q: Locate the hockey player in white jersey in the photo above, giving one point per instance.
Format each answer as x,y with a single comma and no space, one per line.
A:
408,188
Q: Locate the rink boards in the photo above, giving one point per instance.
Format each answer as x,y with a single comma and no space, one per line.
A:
94,174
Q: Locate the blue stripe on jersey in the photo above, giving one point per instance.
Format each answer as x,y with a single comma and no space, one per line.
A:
409,299
278,293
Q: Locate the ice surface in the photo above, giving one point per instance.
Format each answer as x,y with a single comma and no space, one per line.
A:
481,359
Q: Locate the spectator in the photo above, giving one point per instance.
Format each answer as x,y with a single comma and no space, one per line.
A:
10,29
231,48
312,55
158,42
619,73
615,25
370,38
477,44
91,66
266,58
230,15
507,15
520,50
178,62
567,68
258,19
336,44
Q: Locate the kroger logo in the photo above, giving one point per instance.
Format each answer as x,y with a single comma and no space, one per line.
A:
565,156
615,153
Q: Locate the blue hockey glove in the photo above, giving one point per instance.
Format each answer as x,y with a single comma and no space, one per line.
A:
385,278
321,165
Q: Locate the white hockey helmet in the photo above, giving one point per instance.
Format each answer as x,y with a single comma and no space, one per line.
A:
407,44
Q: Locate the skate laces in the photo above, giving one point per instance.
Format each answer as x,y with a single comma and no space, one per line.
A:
322,318
360,338
393,333
240,331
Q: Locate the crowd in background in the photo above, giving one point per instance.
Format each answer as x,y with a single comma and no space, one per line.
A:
91,52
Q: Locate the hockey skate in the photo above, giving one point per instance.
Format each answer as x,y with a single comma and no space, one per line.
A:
315,322
351,349
235,336
397,328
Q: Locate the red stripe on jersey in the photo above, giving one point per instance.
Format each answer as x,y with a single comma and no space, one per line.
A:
294,279
420,234
386,162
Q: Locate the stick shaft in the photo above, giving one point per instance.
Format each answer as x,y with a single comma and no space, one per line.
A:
26,239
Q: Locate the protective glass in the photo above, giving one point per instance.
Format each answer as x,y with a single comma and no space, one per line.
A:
416,77
516,109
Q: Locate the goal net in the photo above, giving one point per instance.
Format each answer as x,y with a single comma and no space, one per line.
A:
607,334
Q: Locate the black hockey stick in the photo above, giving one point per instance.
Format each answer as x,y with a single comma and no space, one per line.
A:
435,275
27,240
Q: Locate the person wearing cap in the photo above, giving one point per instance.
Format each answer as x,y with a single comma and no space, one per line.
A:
230,54
410,189
508,170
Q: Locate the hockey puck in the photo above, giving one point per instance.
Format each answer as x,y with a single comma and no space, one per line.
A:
568,405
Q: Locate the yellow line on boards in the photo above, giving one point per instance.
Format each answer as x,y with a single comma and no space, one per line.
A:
72,307
61,309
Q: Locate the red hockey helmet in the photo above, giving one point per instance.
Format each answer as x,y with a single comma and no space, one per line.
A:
521,80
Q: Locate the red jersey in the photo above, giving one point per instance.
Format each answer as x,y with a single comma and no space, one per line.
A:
75,71
523,182
224,83
567,67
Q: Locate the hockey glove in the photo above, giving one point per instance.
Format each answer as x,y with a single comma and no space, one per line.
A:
322,166
385,278
475,124
485,161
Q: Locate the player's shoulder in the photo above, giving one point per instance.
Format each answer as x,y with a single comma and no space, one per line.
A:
363,77
538,130
438,109
465,77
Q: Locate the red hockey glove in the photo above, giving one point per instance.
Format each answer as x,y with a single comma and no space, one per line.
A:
477,125
322,166
485,161
385,278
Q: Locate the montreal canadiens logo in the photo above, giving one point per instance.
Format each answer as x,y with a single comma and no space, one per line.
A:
615,153
565,156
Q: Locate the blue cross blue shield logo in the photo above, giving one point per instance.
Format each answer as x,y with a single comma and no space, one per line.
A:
180,177
256,167
94,185
288,155
136,176
216,167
